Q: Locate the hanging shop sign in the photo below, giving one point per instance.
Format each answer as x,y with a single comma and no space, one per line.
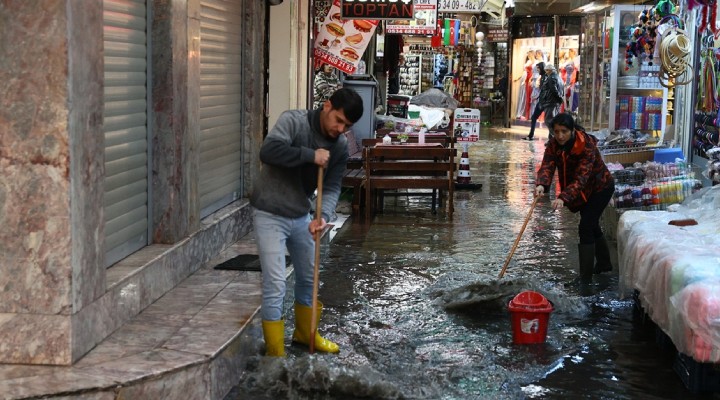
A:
424,22
468,6
497,35
341,42
466,124
377,9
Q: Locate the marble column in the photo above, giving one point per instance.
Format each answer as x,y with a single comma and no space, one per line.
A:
51,175
255,41
175,97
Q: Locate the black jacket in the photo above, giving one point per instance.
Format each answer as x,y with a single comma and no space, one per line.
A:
551,91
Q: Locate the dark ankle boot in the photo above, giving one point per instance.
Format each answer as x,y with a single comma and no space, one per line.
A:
602,255
587,259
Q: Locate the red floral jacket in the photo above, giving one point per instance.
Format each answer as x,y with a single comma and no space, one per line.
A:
581,170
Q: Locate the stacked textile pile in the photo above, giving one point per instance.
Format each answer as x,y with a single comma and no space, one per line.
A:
676,270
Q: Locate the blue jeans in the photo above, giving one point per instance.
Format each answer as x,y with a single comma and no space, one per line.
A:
273,235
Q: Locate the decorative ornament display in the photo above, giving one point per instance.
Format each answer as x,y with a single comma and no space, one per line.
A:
707,14
642,37
665,8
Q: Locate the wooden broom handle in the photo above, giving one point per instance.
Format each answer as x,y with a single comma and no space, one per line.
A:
517,240
316,274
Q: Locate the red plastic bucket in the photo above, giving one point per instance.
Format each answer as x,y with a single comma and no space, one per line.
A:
529,315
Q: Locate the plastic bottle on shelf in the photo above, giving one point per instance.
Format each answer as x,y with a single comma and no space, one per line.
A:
387,139
421,135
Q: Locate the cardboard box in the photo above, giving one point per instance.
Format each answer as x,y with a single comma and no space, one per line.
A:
629,157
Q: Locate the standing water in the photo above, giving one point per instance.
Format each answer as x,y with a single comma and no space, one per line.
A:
405,297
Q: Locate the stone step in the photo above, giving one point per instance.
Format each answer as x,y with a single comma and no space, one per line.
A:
192,343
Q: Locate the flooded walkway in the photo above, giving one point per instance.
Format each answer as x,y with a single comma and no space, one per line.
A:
386,285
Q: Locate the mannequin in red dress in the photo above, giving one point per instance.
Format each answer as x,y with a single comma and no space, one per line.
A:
525,90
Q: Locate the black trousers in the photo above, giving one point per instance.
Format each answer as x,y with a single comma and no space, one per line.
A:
589,228
550,113
533,119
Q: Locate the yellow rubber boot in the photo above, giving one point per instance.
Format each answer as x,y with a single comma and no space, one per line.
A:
274,333
303,317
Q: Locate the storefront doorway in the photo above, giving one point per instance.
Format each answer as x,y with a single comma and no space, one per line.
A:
546,39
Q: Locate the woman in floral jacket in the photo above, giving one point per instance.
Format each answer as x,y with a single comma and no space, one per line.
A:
586,185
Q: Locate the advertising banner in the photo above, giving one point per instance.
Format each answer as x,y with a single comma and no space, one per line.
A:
423,23
467,6
341,42
377,9
497,35
466,124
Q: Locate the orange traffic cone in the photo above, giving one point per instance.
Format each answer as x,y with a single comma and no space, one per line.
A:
463,180
463,176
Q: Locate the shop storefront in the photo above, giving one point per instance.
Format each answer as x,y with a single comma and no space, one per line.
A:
444,45
627,90
546,39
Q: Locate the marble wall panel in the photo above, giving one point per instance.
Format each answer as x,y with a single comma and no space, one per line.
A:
98,320
105,395
40,281
62,380
35,339
165,267
160,277
34,158
254,76
85,84
193,111
192,383
174,148
51,112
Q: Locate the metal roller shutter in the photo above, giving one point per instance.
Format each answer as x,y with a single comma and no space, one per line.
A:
125,128
220,103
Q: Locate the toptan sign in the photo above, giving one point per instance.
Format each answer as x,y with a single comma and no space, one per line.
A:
377,9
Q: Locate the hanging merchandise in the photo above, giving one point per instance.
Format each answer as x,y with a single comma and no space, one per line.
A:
675,52
708,14
707,84
642,37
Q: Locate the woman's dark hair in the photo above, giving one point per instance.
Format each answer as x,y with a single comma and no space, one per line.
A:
349,101
541,68
566,120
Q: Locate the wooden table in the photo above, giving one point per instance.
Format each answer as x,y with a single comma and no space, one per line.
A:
409,145
430,137
408,166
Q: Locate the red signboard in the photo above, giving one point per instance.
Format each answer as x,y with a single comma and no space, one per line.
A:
377,9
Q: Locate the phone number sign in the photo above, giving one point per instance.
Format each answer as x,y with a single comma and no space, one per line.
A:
461,5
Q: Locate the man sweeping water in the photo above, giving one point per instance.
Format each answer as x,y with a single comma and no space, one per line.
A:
300,143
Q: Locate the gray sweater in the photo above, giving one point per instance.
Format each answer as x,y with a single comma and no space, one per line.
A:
288,176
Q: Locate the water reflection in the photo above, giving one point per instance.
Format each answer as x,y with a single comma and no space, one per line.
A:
385,287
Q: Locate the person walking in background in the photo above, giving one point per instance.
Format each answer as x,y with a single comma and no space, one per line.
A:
586,185
551,97
300,142
325,84
537,87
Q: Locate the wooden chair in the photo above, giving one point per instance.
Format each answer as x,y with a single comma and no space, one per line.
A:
406,167
354,176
